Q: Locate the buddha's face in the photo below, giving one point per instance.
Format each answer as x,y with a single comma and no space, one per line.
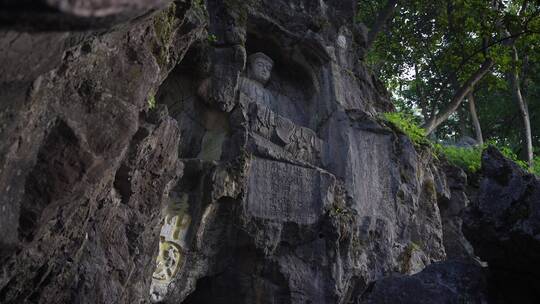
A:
261,70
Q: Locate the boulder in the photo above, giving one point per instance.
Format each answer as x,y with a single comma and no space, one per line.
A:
503,225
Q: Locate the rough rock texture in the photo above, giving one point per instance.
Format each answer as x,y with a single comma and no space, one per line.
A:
452,206
165,159
443,282
39,15
84,164
503,224
500,218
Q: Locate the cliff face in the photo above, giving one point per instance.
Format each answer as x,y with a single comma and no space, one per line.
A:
212,152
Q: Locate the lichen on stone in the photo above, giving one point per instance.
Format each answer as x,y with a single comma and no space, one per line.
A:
407,257
164,25
151,100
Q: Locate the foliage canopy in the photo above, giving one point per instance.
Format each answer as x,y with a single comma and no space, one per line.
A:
429,49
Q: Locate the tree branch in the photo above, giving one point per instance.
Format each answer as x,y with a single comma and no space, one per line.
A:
488,45
443,115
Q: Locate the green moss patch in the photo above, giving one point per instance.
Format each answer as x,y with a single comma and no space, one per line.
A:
467,158
164,24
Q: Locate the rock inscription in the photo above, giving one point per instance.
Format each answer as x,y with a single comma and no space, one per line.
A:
286,192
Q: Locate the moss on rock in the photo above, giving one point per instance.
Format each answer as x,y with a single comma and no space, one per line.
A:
164,24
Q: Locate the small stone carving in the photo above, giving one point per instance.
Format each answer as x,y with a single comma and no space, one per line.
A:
172,244
168,261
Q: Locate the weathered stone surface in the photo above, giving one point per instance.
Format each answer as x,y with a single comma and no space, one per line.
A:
42,15
267,181
84,164
452,207
445,282
78,228
287,193
228,152
503,225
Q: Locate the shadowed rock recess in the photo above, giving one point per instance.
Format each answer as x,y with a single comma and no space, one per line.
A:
231,152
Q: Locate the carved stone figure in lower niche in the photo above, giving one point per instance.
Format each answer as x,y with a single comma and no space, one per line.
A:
259,71
172,244
168,261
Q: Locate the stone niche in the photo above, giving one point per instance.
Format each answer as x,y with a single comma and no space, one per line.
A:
278,93
203,129
290,89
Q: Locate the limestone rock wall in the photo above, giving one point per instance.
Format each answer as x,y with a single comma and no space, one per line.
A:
84,163
209,152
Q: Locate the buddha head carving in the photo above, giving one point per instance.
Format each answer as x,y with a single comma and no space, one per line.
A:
260,67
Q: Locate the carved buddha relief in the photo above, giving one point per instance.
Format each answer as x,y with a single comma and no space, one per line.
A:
275,116
258,73
284,93
172,244
168,261
260,67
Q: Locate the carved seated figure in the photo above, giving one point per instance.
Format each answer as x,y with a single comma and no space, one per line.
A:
258,73
300,142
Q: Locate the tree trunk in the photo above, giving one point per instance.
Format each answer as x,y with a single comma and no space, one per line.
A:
464,130
437,119
422,100
386,12
522,106
474,119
